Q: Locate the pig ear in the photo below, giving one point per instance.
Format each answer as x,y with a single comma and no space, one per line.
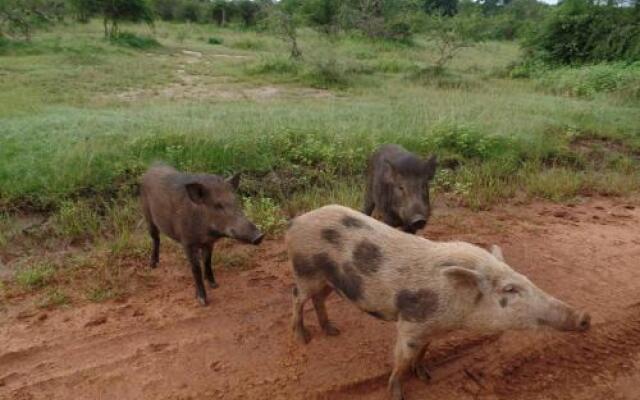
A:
389,171
497,252
234,180
463,277
196,192
430,167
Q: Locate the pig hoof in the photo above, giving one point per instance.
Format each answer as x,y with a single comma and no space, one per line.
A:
213,285
422,373
331,330
153,264
203,301
303,335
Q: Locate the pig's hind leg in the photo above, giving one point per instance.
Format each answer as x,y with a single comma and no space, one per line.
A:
321,311
304,290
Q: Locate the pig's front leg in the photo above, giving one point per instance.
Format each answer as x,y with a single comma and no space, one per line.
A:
207,252
410,348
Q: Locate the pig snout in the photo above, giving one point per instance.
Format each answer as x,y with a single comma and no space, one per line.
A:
583,322
569,320
257,239
249,233
416,223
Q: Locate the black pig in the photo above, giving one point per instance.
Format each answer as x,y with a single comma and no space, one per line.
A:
398,187
195,210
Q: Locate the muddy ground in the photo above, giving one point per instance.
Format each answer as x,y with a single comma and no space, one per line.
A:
160,344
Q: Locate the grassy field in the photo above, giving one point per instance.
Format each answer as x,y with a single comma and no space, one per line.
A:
81,118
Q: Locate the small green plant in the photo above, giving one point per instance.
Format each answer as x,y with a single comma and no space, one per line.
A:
76,220
265,213
100,294
132,40
35,276
215,40
54,297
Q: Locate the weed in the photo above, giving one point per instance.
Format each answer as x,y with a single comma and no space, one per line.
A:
215,40
54,297
77,220
35,276
265,213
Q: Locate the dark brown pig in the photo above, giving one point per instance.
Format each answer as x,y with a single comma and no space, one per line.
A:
429,288
398,187
195,210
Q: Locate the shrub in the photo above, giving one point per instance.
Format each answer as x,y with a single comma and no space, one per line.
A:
265,213
132,40
248,44
580,31
326,73
35,276
277,66
214,40
76,220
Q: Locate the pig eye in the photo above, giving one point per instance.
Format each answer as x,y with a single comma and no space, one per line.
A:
218,206
510,289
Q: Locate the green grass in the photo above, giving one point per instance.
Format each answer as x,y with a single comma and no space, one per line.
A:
34,276
81,118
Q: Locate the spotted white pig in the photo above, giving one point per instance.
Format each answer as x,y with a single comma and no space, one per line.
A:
427,287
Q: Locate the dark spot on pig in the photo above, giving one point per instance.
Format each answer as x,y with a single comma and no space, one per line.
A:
332,236
303,267
346,281
412,345
478,298
503,302
367,257
295,291
376,314
353,222
323,262
416,306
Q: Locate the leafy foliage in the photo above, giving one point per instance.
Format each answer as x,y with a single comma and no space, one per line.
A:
580,31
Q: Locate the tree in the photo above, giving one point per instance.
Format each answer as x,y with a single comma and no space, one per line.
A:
285,24
84,9
449,35
20,17
444,7
116,11
248,11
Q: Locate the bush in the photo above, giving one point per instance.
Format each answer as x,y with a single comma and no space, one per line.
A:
276,66
132,40
248,44
326,73
214,40
580,31
35,276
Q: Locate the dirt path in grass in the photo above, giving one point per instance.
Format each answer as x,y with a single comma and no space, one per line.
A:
159,344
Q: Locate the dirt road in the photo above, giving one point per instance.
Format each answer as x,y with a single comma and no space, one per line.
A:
159,344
